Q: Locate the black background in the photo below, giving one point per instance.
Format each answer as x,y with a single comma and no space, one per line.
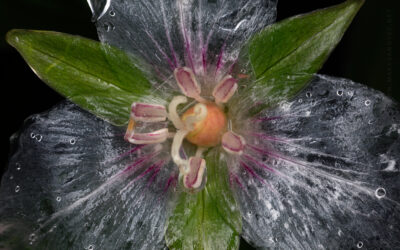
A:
368,53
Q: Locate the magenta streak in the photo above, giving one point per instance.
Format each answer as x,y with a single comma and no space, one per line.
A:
204,58
160,49
232,66
130,152
151,168
171,181
260,164
233,177
137,163
251,172
153,176
268,138
219,62
187,43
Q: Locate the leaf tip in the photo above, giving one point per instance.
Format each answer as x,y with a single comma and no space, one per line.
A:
13,36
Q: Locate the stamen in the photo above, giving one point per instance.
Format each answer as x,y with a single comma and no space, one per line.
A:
129,130
194,178
233,143
225,89
187,83
148,112
173,114
149,138
176,146
199,114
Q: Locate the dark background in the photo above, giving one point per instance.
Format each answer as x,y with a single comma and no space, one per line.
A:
368,53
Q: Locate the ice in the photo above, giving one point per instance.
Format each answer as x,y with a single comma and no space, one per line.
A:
330,173
74,188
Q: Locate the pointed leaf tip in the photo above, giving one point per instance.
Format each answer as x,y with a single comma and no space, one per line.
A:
100,78
285,55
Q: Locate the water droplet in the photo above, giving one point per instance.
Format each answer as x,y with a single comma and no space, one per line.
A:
367,102
350,93
109,26
72,141
32,237
300,100
18,165
380,193
339,92
308,94
16,39
33,135
90,247
11,177
58,199
17,189
360,244
112,13
370,122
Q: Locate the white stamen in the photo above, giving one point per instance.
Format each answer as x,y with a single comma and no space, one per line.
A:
199,114
149,138
194,178
173,114
148,112
187,83
233,143
175,148
225,89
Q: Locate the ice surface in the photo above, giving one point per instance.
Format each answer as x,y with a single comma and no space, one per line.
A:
330,178
69,186
205,35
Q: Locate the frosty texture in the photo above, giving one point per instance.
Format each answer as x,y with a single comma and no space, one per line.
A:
333,181
74,183
203,35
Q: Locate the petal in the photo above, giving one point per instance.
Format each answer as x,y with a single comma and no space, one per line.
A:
334,152
203,35
74,183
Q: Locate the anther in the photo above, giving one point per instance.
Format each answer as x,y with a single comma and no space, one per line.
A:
148,112
148,138
233,143
187,83
225,89
194,177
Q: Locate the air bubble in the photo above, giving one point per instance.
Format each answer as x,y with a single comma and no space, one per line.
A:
33,135
109,26
360,244
300,100
370,122
308,94
367,102
112,13
58,198
72,141
90,247
32,237
17,189
39,138
339,92
380,193
18,165
11,177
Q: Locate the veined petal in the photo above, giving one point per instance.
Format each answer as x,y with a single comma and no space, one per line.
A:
335,152
74,183
148,112
170,34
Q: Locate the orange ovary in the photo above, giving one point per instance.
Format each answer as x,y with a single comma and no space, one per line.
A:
208,132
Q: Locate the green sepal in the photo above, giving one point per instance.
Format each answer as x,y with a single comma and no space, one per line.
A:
209,219
100,78
284,56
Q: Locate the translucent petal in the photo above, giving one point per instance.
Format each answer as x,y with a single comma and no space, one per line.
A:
327,168
74,183
201,34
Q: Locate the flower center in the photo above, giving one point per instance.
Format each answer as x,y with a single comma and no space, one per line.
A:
208,131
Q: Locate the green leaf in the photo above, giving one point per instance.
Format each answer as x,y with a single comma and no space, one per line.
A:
209,219
100,78
285,55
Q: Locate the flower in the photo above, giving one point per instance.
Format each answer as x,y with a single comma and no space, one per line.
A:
222,140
